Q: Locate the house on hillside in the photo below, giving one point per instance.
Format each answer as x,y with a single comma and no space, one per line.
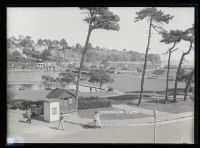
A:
67,99
40,48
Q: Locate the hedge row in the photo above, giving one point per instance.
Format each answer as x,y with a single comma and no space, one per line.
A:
23,104
84,103
93,102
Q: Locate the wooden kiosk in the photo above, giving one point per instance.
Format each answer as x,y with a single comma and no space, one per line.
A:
51,110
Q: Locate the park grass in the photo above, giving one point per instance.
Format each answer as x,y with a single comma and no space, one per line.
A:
180,106
128,83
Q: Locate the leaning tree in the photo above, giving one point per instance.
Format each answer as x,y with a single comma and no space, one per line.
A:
188,36
97,18
172,37
155,18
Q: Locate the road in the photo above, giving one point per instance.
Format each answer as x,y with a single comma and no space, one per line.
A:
168,132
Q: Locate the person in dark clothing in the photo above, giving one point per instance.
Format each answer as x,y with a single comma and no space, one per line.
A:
61,121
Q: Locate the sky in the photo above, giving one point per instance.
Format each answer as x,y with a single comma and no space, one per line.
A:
67,22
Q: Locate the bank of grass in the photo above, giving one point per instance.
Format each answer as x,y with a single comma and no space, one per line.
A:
180,107
127,98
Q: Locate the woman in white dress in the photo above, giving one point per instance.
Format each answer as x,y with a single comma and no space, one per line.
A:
97,119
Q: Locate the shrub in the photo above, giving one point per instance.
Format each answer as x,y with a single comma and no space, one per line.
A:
110,89
93,102
158,72
23,104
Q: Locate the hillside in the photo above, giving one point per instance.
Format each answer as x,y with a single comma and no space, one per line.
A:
99,55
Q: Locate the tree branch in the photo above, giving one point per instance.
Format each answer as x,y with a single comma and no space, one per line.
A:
174,50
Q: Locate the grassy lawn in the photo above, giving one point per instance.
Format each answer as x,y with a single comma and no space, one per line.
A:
180,107
127,83
110,114
149,102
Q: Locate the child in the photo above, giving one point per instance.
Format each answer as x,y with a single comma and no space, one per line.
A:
97,119
61,121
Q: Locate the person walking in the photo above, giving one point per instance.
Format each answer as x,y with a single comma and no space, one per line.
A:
97,119
29,113
61,121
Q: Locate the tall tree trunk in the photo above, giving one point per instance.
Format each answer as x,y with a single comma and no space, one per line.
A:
177,74
188,85
168,70
81,64
145,63
179,67
167,80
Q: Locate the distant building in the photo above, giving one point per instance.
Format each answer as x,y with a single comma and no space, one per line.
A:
120,64
46,65
42,64
40,48
67,99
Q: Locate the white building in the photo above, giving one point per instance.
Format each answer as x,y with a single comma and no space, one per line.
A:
40,48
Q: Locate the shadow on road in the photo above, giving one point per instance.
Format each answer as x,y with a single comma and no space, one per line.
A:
74,123
53,128
39,118
23,121
88,125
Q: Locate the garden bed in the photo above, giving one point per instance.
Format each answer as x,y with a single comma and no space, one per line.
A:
110,114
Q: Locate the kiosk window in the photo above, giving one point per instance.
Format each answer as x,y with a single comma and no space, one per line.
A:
70,100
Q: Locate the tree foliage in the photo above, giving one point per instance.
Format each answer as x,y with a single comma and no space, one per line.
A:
172,36
26,42
189,34
156,15
184,76
78,46
63,43
100,76
45,55
67,77
101,18
39,42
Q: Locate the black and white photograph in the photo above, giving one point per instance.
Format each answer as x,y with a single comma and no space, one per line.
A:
100,75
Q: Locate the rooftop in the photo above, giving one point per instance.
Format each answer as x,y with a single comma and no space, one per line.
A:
58,91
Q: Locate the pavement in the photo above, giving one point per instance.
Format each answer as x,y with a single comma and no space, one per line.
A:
112,131
181,131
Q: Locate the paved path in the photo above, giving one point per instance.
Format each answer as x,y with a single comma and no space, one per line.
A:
181,131
124,131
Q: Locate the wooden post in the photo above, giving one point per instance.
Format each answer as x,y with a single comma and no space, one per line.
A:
154,125
155,116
